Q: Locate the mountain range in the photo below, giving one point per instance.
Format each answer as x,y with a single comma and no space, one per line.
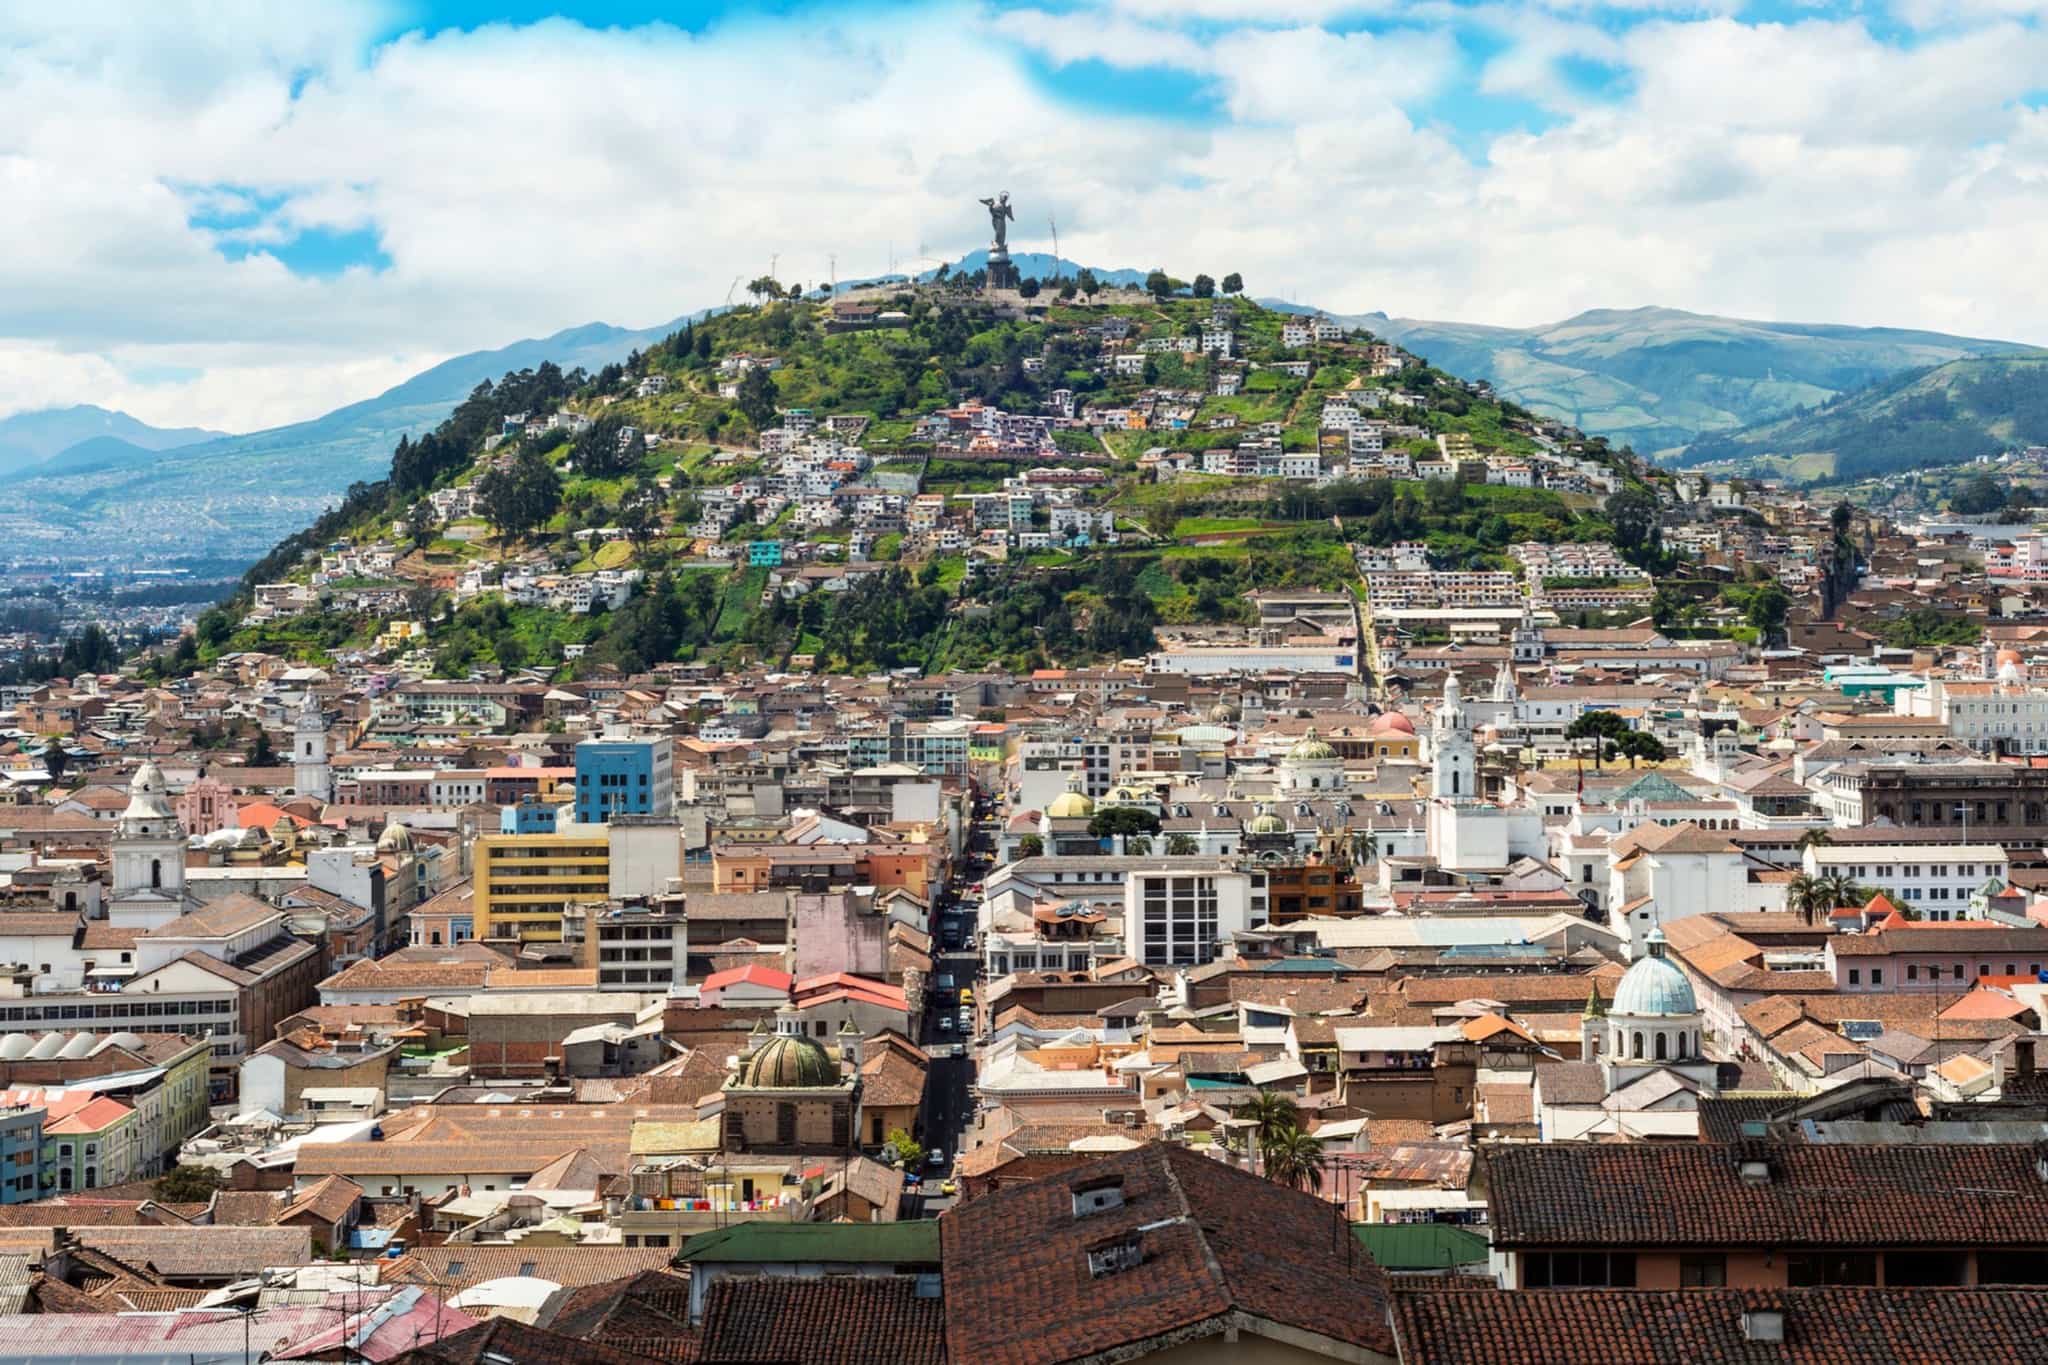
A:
1660,378
55,439
1940,414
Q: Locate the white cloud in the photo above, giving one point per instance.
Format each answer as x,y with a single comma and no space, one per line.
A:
522,179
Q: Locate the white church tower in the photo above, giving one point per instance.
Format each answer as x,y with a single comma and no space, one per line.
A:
1452,758
310,773
149,856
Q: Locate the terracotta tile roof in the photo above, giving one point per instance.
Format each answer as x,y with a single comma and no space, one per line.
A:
328,1200
1830,1326
1208,1240
634,1313
838,1320
1650,1194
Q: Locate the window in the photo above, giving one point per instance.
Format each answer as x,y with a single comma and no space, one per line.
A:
1579,1270
1924,1267
1912,971
1703,1270
1830,1267
1877,976
2006,1267
1855,977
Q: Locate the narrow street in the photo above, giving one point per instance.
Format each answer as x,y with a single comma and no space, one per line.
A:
950,1024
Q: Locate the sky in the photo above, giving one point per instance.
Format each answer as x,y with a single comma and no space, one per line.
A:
237,214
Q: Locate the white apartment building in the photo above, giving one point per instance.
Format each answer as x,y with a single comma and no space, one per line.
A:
1935,879
1179,916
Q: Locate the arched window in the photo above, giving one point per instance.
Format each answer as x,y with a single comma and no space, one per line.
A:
156,874
1636,1044
1681,1045
1454,784
1660,1045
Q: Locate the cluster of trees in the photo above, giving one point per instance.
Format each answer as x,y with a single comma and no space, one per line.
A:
672,617
604,451
522,496
884,621
1613,738
91,650
1032,623
448,448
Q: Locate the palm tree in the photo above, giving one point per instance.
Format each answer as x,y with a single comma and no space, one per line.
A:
1816,837
1269,1112
1803,894
1838,891
1295,1159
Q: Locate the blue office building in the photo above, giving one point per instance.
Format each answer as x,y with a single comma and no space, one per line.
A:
616,776
530,816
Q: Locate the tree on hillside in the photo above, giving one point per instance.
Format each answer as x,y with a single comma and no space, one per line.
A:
636,517
1088,284
1029,287
605,451
757,396
521,496
764,286
1766,612
421,524
1233,283
1976,496
1633,514
1205,287
1159,285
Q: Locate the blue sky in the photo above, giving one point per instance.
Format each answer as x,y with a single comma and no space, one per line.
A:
234,219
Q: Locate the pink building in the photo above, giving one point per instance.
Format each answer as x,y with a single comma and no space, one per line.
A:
206,806
1901,955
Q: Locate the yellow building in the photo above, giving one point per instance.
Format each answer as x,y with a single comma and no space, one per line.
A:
524,882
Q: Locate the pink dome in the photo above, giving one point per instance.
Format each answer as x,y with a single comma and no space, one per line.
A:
2006,656
1393,722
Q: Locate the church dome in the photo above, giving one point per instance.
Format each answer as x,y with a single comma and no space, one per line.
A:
1392,723
1223,713
395,839
1654,987
1129,796
1266,823
788,1062
1310,749
1071,804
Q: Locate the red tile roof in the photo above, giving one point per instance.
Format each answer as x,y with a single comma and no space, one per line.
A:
1830,1326
1650,1194
1209,1240
838,1320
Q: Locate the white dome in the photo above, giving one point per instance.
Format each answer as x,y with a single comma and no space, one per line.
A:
81,1045
146,799
15,1046
46,1047
123,1039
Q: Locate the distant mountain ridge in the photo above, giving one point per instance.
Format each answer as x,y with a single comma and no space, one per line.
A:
1660,378
231,494
48,437
1941,414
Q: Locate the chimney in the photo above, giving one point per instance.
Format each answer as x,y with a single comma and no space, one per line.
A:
2023,1056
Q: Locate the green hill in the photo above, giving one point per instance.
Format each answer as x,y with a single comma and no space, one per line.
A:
1658,379
1188,551
1939,415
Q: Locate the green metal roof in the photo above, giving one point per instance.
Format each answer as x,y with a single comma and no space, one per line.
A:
1420,1246
909,1242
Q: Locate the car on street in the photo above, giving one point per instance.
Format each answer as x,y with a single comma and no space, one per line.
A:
949,1186
936,1159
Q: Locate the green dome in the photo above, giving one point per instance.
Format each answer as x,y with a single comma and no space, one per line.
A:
788,1062
1267,824
1310,749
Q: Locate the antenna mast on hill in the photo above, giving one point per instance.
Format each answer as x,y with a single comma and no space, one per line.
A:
1054,224
832,260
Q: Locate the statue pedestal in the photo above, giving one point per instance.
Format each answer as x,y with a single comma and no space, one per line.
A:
1001,273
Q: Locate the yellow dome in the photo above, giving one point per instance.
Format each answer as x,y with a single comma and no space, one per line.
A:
1072,804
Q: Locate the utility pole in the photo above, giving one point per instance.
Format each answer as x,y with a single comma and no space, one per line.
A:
832,260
